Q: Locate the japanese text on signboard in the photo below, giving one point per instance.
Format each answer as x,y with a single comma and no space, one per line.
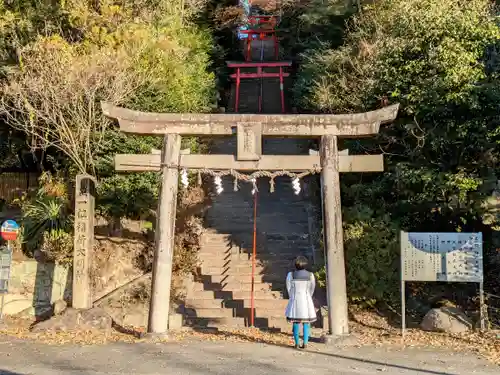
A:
5,264
451,257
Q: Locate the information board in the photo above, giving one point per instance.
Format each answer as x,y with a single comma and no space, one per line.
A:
450,257
5,264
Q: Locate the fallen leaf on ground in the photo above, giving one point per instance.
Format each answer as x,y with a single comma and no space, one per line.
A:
369,329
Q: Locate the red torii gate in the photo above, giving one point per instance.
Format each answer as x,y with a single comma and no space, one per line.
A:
263,28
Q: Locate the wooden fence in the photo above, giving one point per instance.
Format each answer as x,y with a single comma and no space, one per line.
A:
13,185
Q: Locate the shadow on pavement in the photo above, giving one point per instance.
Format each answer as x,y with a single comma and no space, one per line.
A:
6,372
249,338
377,363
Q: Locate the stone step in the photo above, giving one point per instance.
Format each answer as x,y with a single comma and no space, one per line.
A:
268,256
201,294
234,262
283,248
244,270
205,303
223,243
236,235
280,246
226,294
258,287
232,322
235,295
267,304
296,236
247,256
245,278
263,307
217,246
274,323
244,260
218,252
268,313
259,294
196,287
240,309
246,240
232,287
208,237
241,220
209,312
237,222
275,240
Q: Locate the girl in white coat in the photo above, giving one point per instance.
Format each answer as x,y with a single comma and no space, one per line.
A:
300,309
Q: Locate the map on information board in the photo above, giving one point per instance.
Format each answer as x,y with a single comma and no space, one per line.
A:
452,257
5,263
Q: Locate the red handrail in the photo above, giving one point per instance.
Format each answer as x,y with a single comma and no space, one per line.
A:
254,255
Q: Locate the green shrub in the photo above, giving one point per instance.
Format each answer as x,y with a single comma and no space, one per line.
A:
438,59
46,219
57,245
372,258
146,55
424,54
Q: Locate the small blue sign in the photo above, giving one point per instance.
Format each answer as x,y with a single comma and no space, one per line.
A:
9,230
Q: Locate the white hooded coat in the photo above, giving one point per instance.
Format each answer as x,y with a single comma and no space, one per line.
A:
300,286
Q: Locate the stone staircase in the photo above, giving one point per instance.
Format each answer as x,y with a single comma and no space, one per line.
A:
221,294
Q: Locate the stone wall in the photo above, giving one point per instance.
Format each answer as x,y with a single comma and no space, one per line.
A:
34,286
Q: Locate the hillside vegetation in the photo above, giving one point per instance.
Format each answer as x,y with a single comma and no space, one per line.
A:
438,58
58,61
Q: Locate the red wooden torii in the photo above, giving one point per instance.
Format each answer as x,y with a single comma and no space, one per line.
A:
262,35
238,76
261,28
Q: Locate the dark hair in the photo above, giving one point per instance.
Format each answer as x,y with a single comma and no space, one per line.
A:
301,263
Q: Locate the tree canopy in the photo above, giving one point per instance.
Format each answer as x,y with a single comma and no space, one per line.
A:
438,58
60,59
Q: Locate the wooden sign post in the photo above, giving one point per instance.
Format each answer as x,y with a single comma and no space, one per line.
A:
250,129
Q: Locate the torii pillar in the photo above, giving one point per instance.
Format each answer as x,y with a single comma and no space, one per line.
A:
338,322
250,129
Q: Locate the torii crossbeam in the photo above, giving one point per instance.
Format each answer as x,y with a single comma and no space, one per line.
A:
250,129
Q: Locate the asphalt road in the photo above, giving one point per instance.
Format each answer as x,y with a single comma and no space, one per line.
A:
211,358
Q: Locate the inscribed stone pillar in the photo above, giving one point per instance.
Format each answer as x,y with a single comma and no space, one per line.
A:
83,243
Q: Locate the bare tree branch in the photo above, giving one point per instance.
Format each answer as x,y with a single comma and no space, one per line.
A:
53,96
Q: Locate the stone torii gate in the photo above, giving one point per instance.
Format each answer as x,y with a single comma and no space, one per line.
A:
250,129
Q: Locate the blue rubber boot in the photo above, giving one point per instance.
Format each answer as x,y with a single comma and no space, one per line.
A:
296,332
306,334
